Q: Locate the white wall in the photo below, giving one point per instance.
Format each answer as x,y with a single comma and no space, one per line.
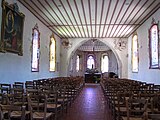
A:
18,68
121,56
0,18
144,74
113,66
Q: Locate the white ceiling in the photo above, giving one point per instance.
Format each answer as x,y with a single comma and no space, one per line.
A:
92,18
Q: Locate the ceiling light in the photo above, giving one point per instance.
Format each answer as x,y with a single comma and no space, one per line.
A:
127,2
59,5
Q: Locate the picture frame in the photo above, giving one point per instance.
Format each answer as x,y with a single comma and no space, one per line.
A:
12,29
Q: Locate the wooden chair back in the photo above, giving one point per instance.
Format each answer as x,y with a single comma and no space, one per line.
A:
11,111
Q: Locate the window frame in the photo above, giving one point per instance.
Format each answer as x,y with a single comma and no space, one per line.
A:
151,65
137,51
78,63
94,65
38,49
102,58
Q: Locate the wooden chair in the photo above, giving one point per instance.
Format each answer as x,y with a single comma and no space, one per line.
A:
70,93
4,99
7,112
39,113
29,85
151,116
5,88
154,114
62,97
120,105
17,96
135,109
157,87
18,85
52,103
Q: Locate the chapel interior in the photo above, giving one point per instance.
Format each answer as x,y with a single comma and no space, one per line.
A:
79,59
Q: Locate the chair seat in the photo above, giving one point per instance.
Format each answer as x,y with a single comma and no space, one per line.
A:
132,118
122,109
16,114
154,116
40,115
20,103
37,104
61,100
51,106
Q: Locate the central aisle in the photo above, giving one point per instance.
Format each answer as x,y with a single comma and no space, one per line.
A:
89,105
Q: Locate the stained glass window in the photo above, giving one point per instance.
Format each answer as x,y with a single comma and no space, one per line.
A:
78,63
104,63
90,62
52,49
135,55
153,46
35,49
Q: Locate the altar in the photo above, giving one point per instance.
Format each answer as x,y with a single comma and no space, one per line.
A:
92,77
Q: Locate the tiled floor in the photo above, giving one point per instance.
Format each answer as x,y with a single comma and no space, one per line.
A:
89,105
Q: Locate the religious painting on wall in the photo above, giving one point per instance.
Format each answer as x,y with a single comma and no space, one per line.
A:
12,29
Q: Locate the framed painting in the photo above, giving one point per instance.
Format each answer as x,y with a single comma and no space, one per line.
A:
12,29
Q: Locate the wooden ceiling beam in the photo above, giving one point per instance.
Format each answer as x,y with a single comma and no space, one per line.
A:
69,20
95,18
141,13
58,19
37,16
109,5
134,16
145,18
85,17
79,17
123,17
74,17
111,17
117,18
101,18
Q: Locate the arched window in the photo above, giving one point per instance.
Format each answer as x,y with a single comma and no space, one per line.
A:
104,63
135,55
153,46
90,62
52,54
35,49
77,63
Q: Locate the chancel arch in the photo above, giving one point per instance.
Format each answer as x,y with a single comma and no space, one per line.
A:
90,50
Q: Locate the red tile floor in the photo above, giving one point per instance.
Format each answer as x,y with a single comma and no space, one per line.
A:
89,105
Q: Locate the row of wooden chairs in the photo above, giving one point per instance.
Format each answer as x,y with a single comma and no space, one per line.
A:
40,99
125,98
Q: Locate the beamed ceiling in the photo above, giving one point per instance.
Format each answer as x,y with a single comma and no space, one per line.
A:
92,18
